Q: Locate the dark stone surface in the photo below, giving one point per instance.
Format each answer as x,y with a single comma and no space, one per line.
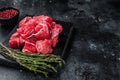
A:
95,52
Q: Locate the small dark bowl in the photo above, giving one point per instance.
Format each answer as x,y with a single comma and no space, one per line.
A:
9,23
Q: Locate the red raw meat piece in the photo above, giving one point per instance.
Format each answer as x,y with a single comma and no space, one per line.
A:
54,41
38,27
14,43
24,21
47,24
43,19
58,27
32,39
44,46
55,33
29,47
28,29
42,32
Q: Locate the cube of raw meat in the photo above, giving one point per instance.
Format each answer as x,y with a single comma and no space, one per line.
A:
44,46
29,47
55,33
24,21
14,43
42,31
26,30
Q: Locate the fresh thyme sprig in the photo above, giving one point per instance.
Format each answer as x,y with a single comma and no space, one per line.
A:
37,63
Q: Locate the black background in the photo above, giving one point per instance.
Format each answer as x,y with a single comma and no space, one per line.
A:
95,52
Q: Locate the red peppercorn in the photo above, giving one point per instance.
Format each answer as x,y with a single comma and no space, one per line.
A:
8,13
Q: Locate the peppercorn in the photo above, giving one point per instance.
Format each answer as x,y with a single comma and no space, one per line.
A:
8,13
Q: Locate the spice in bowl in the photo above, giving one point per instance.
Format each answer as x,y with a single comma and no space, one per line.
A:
8,13
8,17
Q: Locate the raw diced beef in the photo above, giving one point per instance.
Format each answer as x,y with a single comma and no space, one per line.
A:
42,32
55,34
29,47
36,34
44,46
14,43
24,21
